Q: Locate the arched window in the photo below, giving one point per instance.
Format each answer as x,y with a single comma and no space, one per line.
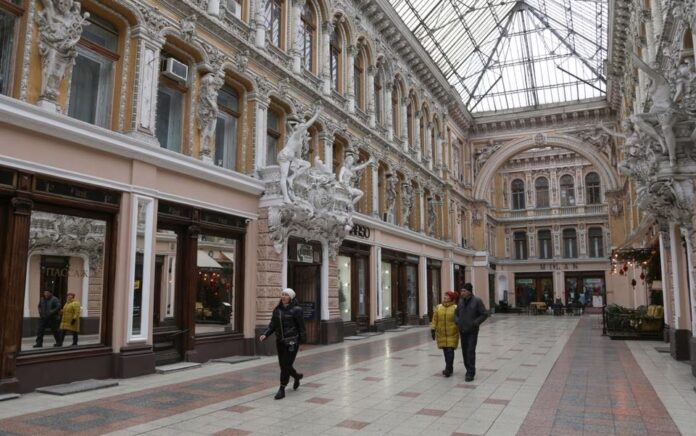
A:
541,187
92,83
335,60
594,188
359,80
596,242
545,250
308,30
520,239
274,20
226,130
396,111
570,244
517,194
567,191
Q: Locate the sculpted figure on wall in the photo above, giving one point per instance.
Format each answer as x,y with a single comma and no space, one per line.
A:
432,216
208,111
391,197
406,202
290,156
60,28
349,175
484,154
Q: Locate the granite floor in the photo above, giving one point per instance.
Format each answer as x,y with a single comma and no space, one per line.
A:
536,375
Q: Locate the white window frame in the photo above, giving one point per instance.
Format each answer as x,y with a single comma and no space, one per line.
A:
146,291
105,87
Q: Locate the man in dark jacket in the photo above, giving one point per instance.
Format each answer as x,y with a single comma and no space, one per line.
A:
470,314
49,306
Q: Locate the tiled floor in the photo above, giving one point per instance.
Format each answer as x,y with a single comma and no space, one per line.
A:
388,384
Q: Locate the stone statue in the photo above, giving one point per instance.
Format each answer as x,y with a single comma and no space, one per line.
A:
349,175
391,196
684,79
406,202
60,28
485,153
188,28
208,111
602,141
432,216
661,112
291,153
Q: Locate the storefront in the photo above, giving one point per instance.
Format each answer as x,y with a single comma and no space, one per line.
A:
434,283
586,288
399,290
304,277
533,287
354,286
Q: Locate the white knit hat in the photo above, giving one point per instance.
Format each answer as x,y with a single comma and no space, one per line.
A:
290,293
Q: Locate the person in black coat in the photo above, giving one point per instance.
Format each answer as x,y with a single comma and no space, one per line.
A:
49,306
471,313
287,322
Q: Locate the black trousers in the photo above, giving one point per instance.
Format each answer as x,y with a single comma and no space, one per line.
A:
62,336
286,359
469,340
51,323
449,357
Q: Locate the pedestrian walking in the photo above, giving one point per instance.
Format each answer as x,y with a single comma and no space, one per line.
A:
70,320
444,328
471,313
49,306
287,322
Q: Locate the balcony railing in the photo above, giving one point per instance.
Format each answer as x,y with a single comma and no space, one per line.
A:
595,209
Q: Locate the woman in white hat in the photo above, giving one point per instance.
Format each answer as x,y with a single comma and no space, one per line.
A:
287,322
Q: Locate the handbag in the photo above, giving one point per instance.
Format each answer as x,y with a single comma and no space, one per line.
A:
290,343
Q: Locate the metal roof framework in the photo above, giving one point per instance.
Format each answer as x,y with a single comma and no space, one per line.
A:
509,54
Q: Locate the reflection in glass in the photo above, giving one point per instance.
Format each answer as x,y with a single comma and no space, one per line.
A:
66,257
362,286
386,290
215,293
142,238
412,289
165,278
344,287
435,287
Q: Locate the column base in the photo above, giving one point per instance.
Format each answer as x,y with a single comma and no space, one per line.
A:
679,344
9,385
382,325
665,334
330,331
693,356
134,361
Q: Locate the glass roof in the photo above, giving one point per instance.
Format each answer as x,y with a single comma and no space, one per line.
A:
508,54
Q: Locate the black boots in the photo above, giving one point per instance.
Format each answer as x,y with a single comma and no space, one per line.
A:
296,384
447,371
280,394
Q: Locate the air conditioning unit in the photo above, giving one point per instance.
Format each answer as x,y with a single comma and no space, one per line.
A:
235,8
174,69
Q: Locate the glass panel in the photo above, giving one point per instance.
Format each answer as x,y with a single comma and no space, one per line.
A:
226,141
64,295
386,293
102,33
344,287
593,292
412,289
169,114
362,286
435,288
140,297
215,294
7,37
90,89
525,292
165,278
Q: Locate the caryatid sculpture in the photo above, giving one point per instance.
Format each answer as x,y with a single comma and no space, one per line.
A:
291,154
391,196
406,202
349,175
60,28
432,216
208,111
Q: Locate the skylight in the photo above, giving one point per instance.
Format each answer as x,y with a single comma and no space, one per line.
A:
505,54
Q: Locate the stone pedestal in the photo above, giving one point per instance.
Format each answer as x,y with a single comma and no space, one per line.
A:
330,331
382,325
679,344
134,361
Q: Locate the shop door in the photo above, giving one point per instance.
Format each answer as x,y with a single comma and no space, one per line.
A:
434,290
167,325
305,280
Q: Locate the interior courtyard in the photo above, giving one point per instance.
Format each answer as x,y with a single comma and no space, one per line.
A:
168,167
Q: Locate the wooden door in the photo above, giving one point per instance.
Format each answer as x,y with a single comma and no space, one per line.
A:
305,280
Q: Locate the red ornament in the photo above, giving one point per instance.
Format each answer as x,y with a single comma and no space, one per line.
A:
642,276
621,272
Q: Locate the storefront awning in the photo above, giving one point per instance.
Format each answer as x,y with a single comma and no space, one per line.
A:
228,255
205,261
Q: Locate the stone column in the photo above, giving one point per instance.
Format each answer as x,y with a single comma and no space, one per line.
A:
680,334
656,15
666,283
261,103
143,123
328,139
404,122
260,36
387,107
326,30
423,287
531,249
324,293
296,52
214,7
375,188
579,187
350,63
421,209
416,135
371,71
428,146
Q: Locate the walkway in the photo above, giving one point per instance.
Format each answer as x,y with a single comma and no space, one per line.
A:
536,375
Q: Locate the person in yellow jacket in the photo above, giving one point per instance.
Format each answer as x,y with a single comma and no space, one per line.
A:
70,320
444,328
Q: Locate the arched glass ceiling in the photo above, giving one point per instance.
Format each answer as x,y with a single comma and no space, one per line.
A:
505,54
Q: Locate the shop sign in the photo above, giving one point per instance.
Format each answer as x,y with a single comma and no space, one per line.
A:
558,266
360,231
305,253
309,309
66,272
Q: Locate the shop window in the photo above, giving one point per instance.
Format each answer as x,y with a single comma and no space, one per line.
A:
520,240
518,201
226,128
594,189
362,285
216,290
274,15
412,290
386,291
545,250
165,289
596,242
308,31
170,112
9,13
66,277
139,299
344,287
272,137
567,191
335,60
92,82
570,244
541,187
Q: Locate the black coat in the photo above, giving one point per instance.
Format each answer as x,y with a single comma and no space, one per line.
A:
471,314
48,309
291,319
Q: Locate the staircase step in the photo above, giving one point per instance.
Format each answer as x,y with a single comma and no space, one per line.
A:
174,367
6,397
235,359
77,387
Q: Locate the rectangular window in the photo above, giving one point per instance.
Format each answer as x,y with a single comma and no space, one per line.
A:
596,242
216,293
170,105
226,129
8,34
272,138
344,287
545,251
520,239
66,279
273,21
357,87
386,291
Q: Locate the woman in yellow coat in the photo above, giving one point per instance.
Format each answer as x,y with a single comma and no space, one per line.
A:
444,328
70,320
